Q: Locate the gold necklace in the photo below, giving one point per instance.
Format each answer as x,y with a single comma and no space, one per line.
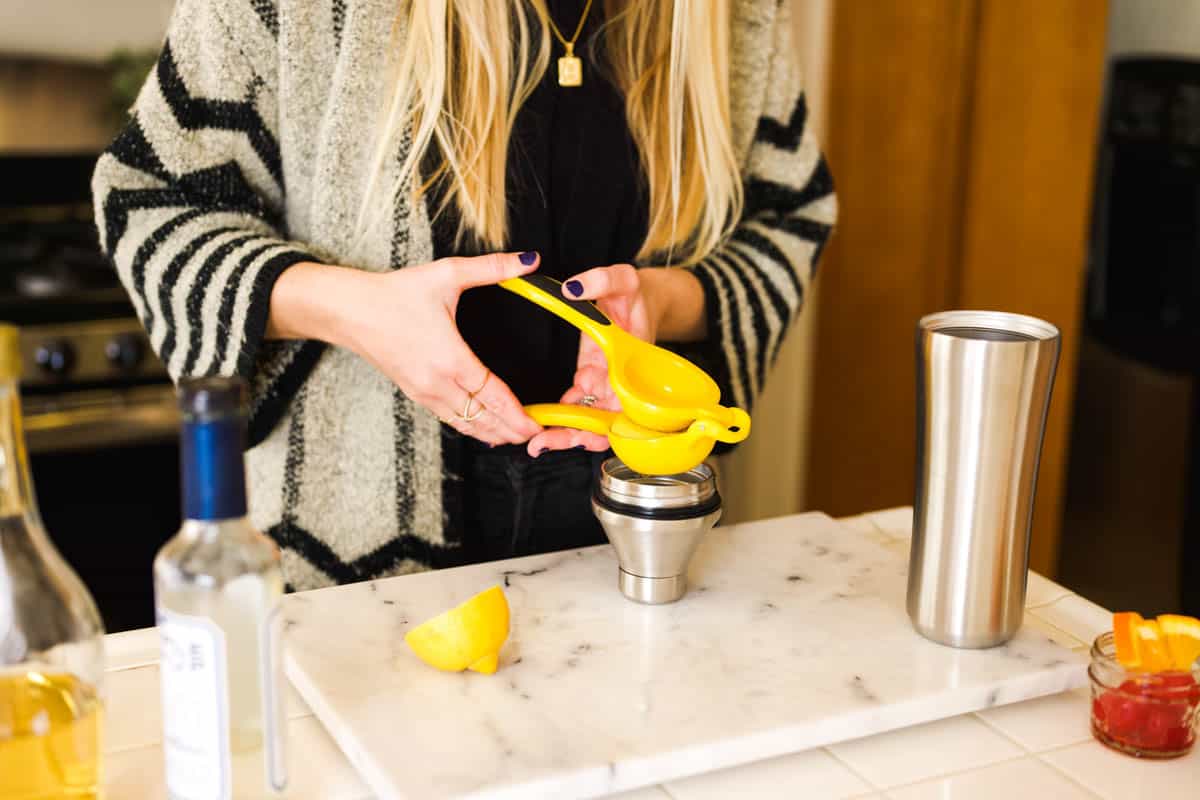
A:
570,68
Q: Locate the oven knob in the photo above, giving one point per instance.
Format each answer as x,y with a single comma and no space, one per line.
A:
56,356
125,351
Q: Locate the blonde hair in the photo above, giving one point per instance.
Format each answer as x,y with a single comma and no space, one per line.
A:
459,83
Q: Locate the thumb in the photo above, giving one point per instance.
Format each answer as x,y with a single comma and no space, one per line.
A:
493,268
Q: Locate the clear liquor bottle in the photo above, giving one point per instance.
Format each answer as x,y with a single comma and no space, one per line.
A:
217,587
51,638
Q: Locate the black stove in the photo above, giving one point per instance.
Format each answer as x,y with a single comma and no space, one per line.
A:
52,270
78,328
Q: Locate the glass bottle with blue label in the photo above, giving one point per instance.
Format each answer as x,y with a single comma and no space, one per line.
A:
217,588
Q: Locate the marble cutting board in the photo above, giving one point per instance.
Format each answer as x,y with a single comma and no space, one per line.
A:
792,636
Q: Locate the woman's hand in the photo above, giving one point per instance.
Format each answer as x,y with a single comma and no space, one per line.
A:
623,293
652,304
403,323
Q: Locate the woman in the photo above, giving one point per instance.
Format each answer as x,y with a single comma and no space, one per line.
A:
320,194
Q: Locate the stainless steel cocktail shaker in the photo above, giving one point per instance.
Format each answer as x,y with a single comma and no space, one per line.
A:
655,523
983,389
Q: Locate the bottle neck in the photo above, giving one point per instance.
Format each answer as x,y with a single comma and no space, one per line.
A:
213,469
16,487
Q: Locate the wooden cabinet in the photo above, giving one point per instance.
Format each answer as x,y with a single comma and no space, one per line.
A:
961,134
54,107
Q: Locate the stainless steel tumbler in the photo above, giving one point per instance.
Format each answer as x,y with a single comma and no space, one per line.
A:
983,389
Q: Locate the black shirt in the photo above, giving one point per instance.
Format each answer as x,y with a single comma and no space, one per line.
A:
575,194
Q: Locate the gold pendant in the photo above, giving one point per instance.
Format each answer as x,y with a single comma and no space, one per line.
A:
570,69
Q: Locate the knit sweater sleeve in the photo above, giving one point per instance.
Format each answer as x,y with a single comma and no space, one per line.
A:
754,284
189,198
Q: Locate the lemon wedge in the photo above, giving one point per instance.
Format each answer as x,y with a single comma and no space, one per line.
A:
468,636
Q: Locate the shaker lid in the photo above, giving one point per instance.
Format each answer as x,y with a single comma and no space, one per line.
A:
620,484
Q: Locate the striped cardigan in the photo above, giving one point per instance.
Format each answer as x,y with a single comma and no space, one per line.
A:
247,151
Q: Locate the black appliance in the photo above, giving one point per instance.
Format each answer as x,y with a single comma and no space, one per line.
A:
100,417
1131,534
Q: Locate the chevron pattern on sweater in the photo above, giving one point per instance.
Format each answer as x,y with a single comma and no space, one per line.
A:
338,16
268,13
198,113
379,563
784,135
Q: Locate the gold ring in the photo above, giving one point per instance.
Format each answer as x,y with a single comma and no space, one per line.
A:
486,378
588,400
466,415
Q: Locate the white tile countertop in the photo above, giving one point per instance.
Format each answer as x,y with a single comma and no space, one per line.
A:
1038,748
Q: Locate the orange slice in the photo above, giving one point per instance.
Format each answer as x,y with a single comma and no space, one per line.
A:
1183,639
1129,651
1155,657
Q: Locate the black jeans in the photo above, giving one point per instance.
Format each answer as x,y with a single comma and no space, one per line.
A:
517,506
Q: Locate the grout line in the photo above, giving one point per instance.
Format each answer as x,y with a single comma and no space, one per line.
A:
853,771
867,518
1040,606
1060,747
1017,742
144,665
1000,731
290,719
1050,624
1064,773
956,773
1066,593
978,715
1047,603
127,661
132,748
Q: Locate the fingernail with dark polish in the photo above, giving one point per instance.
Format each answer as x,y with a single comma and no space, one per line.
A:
575,288
528,257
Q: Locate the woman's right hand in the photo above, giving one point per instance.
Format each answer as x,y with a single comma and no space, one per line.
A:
403,323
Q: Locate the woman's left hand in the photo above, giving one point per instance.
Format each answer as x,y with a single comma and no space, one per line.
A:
627,297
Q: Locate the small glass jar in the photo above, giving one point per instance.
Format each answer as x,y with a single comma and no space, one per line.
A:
1146,715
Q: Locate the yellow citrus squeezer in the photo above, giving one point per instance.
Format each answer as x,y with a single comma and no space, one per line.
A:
658,389
644,450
